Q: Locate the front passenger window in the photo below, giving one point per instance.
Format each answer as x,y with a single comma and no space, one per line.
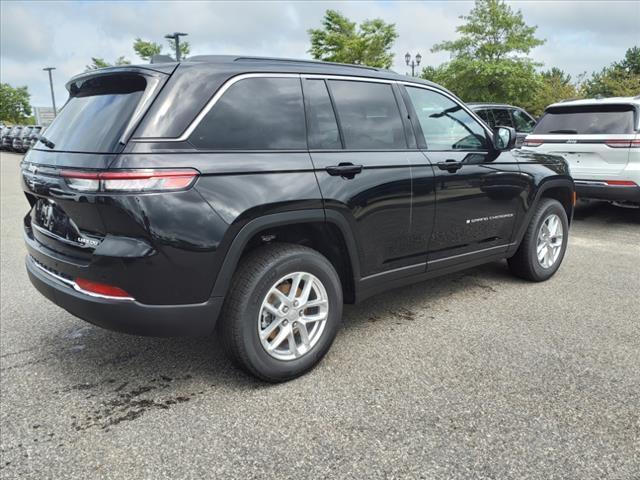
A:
445,124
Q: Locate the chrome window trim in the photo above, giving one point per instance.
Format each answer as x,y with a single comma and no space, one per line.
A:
303,76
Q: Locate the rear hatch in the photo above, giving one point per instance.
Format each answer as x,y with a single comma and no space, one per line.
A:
89,132
594,139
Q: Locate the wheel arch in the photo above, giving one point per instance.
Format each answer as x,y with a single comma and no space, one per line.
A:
561,189
327,232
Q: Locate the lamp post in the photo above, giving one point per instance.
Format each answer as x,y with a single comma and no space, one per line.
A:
175,36
411,63
53,97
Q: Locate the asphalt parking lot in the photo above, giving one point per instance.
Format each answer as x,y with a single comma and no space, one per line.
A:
474,375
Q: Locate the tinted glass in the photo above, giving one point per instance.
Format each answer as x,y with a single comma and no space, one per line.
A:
486,116
322,127
601,119
368,115
523,122
96,115
501,118
255,114
445,124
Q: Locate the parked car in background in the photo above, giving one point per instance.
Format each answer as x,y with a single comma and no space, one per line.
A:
20,143
600,138
500,115
33,137
7,139
3,129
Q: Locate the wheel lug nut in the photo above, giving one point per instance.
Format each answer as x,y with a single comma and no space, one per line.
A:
295,303
285,309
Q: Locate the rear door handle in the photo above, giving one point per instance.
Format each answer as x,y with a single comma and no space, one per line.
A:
451,166
347,170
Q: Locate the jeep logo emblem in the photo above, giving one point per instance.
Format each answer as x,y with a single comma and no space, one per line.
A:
572,141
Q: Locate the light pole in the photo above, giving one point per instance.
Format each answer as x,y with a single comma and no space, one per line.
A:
53,97
411,63
175,36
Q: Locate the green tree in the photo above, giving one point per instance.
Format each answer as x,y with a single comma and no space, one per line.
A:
555,85
145,50
185,48
489,58
340,40
14,103
97,62
621,79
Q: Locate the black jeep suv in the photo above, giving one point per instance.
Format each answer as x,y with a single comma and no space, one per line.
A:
261,194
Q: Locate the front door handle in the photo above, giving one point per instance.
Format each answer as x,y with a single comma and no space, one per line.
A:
346,170
451,166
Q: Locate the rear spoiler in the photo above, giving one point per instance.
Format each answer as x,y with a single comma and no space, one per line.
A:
163,69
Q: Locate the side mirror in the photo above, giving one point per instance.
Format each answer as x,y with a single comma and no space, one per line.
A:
504,138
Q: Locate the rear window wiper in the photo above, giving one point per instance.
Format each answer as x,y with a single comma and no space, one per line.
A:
46,141
569,132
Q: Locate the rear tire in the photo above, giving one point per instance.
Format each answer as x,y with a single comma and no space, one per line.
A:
262,331
542,249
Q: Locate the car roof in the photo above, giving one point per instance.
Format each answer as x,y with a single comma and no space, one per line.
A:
476,105
598,101
263,64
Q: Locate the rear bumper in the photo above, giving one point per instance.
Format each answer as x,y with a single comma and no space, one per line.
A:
127,316
601,191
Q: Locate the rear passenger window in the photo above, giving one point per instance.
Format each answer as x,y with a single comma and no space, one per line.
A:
255,114
502,118
322,127
368,114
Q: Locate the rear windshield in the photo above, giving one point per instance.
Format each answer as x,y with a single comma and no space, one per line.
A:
97,113
584,120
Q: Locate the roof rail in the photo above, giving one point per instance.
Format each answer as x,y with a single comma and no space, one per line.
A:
311,62
161,59
231,58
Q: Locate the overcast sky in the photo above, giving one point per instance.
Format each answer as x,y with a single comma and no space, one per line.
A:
580,35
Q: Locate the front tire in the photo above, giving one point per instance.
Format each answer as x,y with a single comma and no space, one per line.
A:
282,311
544,244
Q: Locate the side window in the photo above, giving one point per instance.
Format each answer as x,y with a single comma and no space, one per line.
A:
368,114
255,114
322,130
524,123
502,118
486,116
445,124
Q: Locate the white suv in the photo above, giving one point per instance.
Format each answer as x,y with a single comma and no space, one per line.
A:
600,138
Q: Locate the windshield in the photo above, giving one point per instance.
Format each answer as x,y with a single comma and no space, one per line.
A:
585,120
97,113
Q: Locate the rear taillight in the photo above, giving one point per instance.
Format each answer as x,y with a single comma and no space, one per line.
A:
532,143
621,183
130,180
101,289
623,143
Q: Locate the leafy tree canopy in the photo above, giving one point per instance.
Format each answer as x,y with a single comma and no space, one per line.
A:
340,40
145,50
621,79
14,103
489,61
